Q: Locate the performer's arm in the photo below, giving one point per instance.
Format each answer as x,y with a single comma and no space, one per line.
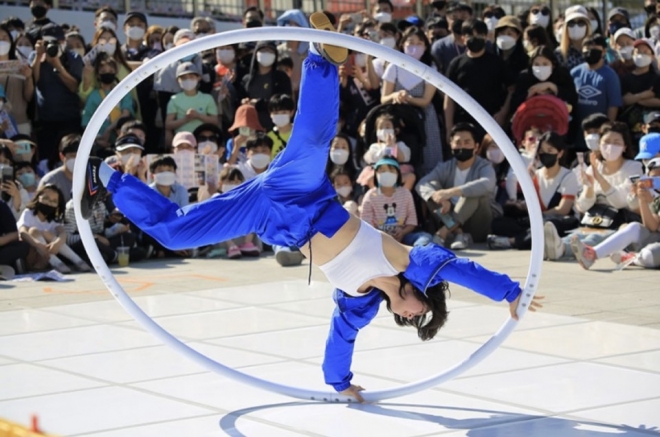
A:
351,315
469,274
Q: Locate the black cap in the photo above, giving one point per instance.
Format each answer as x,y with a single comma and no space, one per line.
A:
127,141
139,15
210,127
53,30
439,22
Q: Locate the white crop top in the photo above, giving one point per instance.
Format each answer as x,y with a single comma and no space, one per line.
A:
361,261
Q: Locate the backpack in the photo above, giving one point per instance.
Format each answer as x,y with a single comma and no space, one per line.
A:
545,112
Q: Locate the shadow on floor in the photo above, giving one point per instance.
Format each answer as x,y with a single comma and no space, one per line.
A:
499,423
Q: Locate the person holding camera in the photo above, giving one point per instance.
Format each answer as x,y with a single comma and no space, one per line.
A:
57,74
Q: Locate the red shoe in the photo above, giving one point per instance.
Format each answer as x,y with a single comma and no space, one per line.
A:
234,252
249,249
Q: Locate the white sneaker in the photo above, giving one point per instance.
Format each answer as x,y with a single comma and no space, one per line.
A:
461,241
554,247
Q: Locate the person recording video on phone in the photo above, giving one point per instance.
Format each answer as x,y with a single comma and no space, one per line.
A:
57,75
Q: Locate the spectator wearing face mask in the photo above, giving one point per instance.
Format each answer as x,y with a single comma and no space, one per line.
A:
209,140
459,191
341,157
190,108
491,15
105,69
19,88
105,17
259,150
535,36
246,124
128,149
617,19
39,10
281,108
623,42
263,81
436,29
135,26
446,49
649,146
23,47
224,88
295,50
62,177
57,74
576,28
543,76
152,39
492,91
652,32
541,15
382,11
390,208
591,134
29,179
640,89
597,84
388,36
509,47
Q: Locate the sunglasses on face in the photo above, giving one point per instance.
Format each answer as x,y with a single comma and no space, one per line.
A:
496,14
203,138
574,23
543,11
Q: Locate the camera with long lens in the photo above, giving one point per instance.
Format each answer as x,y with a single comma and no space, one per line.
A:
52,48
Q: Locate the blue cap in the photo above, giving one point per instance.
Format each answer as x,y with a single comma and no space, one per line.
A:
649,146
415,21
392,162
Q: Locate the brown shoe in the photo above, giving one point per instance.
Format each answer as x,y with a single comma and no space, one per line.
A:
335,54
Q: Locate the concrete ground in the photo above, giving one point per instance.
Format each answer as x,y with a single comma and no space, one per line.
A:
630,297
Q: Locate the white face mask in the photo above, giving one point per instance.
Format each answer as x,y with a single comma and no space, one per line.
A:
259,160
165,178
496,156
360,59
4,47
80,51
168,46
388,42
281,119
387,179
225,55
655,32
108,48
577,32
383,17
265,59
626,52
558,34
594,26
24,51
108,25
207,147
611,152
339,156
491,23
130,158
539,19
383,134
135,33
505,42
542,73
592,141
228,187
70,164
344,191
188,84
14,33
642,60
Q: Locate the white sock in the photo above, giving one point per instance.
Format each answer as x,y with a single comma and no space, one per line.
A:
645,259
312,49
105,173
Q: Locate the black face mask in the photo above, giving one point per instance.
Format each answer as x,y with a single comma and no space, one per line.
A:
107,78
475,44
462,155
47,210
548,159
593,56
38,11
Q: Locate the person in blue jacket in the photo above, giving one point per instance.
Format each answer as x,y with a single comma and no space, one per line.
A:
293,204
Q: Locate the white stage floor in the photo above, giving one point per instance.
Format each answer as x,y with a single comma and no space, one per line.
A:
89,370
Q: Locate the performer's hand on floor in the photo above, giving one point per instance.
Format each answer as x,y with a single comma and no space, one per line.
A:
533,305
354,392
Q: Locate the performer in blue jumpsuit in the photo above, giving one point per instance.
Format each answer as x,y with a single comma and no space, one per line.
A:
293,204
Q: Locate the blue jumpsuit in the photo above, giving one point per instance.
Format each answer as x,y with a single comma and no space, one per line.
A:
284,206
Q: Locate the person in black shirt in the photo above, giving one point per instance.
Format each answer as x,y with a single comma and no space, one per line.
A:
263,81
640,88
481,74
11,249
509,47
39,9
135,26
544,75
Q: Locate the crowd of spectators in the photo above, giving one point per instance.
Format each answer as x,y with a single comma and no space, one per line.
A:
578,94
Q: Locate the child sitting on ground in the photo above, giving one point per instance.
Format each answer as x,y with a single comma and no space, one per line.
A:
281,108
